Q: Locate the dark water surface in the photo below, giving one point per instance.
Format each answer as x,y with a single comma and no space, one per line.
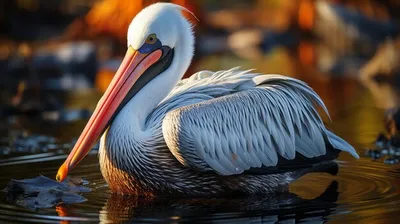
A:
364,191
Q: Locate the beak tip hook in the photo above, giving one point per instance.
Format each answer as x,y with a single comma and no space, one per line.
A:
62,173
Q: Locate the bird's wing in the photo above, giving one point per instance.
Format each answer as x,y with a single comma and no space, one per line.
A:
235,121
202,86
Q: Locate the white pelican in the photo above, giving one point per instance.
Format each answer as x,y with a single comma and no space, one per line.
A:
214,133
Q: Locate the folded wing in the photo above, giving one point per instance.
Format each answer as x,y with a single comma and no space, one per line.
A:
255,124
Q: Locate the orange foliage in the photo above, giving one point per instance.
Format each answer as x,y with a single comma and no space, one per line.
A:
306,14
103,79
114,16
306,53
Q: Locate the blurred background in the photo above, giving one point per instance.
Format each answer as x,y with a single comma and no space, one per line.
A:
57,58
56,54
49,48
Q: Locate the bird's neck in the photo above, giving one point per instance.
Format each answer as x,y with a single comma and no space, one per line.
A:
137,110
130,141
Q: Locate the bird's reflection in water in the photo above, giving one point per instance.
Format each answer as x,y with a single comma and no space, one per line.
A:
273,208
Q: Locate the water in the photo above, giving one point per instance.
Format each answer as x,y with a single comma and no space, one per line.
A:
364,191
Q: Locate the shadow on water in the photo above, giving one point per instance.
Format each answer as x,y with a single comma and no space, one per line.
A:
273,208
363,190
269,209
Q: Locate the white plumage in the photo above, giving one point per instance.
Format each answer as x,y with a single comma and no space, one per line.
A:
240,120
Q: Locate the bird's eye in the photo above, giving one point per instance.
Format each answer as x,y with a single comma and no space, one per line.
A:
151,39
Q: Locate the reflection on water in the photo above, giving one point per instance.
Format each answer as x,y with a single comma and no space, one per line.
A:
363,191
287,206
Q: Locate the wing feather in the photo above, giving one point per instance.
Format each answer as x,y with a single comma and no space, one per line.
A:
238,120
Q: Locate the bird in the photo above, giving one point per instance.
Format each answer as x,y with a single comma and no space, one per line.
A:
229,132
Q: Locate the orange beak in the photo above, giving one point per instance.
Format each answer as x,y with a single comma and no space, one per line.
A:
132,67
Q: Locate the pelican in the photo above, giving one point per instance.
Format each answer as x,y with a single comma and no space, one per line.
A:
214,133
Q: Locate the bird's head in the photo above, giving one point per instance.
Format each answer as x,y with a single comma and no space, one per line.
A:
155,35
155,25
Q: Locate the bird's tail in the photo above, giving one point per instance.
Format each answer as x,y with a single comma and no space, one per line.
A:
340,144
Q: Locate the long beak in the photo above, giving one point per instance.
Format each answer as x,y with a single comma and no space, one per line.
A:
132,67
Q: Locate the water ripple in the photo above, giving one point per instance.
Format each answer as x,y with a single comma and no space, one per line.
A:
361,189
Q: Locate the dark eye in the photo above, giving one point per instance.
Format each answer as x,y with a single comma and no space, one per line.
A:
151,39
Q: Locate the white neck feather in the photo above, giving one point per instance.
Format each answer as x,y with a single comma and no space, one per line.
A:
134,114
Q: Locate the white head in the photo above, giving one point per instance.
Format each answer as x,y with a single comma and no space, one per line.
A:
162,19
166,22
160,49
